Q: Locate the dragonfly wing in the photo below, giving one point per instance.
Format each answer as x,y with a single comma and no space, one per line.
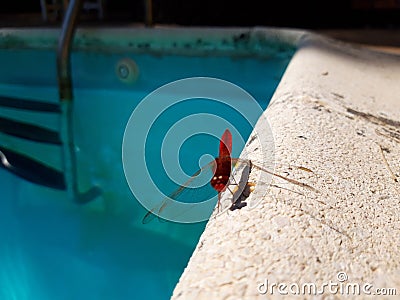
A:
236,190
290,180
180,193
151,214
287,179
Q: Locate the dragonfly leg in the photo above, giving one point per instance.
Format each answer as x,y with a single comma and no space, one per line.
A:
219,202
235,182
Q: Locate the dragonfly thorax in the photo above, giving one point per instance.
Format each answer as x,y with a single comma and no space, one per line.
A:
221,174
218,182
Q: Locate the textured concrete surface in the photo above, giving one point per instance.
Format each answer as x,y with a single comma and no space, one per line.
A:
336,116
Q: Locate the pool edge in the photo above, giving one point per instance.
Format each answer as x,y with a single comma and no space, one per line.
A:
334,113
166,40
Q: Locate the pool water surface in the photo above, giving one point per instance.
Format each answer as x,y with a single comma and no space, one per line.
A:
51,248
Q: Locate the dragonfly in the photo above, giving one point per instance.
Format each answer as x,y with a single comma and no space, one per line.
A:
221,168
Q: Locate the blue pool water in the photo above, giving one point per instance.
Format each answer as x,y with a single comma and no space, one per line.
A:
53,249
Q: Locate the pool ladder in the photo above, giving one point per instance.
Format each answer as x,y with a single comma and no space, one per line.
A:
29,168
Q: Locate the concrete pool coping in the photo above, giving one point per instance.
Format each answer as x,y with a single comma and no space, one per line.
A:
235,42
336,114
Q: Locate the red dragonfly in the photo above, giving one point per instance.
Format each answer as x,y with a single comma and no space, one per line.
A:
221,168
222,165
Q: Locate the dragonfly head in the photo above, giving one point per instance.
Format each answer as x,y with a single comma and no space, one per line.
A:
219,182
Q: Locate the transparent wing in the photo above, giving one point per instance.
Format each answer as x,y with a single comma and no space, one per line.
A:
195,190
237,188
272,173
243,182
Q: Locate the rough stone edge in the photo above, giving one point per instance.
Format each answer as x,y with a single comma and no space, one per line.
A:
162,40
336,112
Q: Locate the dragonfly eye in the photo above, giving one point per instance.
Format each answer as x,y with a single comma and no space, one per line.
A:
219,177
214,178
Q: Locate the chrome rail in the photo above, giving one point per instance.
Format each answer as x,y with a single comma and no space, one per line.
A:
66,102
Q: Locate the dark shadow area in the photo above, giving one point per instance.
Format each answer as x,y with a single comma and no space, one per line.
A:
310,14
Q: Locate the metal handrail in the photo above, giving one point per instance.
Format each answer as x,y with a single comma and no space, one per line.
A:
64,50
66,102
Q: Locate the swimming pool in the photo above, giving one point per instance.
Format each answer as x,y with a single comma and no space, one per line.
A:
53,249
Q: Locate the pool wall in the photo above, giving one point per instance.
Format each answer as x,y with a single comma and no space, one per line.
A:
237,42
336,115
